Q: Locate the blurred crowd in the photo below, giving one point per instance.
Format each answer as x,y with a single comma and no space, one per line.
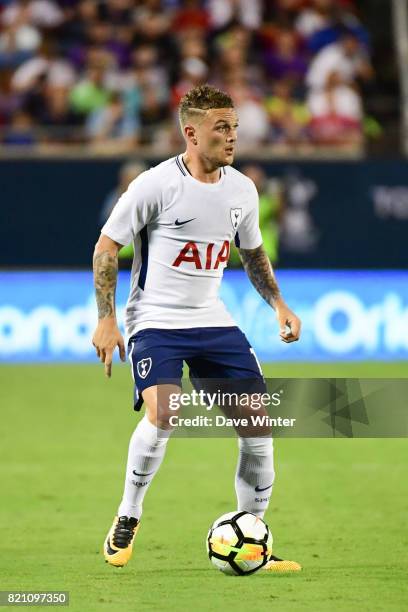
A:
109,74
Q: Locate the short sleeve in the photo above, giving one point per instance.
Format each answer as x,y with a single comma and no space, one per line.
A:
134,210
249,235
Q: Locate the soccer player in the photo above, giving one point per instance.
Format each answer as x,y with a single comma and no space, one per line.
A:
181,216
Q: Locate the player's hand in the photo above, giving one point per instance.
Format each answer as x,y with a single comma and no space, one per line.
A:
289,323
105,340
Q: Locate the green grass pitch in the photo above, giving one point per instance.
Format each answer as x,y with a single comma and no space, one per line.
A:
339,506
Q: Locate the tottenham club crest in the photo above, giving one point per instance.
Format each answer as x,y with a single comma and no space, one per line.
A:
144,366
236,216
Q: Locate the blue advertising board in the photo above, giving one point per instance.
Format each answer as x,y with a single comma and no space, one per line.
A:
334,214
346,315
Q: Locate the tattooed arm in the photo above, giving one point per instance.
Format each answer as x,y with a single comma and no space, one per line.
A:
259,270
107,335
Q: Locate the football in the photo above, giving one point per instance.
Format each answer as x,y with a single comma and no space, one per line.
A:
239,543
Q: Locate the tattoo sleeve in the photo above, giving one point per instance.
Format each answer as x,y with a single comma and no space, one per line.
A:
259,270
105,267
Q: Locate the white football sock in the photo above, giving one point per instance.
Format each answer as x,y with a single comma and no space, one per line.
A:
255,474
146,451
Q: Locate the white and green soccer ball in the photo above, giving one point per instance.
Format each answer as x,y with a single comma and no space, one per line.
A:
239,543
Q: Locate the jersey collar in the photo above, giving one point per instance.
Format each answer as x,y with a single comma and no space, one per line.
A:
186,172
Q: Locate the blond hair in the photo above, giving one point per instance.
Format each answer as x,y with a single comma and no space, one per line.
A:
198,100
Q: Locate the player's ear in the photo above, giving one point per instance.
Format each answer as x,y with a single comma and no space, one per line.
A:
190,134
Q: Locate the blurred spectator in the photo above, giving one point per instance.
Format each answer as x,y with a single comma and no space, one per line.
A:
57,116
234,67
192,46
115,40
347,57
191,16
117,12
154,111
152,27
41,13
90,94
289,117
315,17
120,44
253,119
336,112
21,131
73,35
234,37
321,24
20,38
193,73
223,12
283,13
285,57
111,127
9,102
56,71
150,73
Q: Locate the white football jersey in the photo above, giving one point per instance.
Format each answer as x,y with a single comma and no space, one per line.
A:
181,230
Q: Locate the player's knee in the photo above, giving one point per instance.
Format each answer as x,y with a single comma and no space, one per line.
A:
159,407
162,417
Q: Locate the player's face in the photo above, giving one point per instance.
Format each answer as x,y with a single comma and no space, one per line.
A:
217,136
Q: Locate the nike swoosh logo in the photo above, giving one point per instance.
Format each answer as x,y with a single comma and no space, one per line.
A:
179,223
110,550
147,474
258,489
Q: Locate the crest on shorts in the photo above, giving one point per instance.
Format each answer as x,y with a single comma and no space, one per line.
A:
144,366
236,216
